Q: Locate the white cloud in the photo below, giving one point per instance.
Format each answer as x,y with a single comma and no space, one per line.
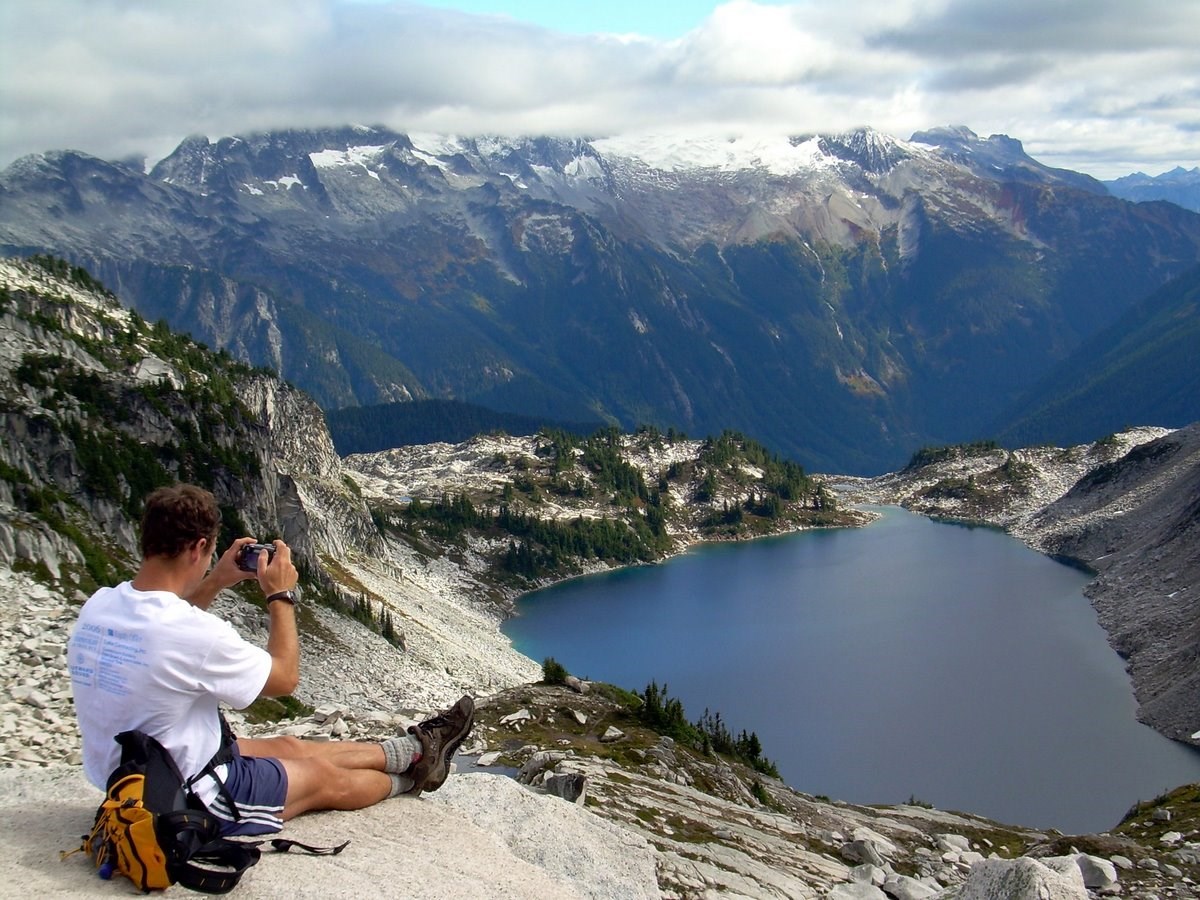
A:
1101,85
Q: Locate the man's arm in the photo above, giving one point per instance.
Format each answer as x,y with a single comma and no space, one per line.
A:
283,639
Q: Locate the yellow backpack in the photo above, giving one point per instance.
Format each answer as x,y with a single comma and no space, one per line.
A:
152,829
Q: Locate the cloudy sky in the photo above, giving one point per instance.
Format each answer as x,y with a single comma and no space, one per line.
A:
1102,86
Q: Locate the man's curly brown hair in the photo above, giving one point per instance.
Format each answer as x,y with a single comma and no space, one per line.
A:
176,517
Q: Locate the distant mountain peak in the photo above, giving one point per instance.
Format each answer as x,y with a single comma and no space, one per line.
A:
999,156
1179,186
872,150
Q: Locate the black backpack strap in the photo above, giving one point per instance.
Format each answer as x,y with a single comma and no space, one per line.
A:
233,858
192,836
225,754
283,845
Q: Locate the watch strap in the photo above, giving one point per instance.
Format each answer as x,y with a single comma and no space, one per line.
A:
286,596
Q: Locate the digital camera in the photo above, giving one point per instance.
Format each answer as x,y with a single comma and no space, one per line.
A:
247,557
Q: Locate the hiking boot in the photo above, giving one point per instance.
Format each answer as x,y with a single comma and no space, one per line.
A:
440,737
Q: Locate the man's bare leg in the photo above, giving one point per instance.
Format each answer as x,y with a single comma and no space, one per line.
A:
355,774
317,783
343,754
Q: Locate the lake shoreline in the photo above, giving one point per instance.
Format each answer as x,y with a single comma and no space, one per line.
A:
879,704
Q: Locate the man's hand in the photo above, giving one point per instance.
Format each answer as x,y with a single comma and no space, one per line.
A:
227,571
223,575
277,573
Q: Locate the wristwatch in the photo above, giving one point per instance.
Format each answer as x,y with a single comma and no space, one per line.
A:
286,596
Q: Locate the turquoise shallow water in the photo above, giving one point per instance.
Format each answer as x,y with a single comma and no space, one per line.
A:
907,659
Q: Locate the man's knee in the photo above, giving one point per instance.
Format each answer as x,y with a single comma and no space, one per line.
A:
315,783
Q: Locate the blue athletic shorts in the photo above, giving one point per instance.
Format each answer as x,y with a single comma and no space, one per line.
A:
258,785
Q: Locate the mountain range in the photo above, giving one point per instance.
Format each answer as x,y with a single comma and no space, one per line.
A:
843,298
1179,186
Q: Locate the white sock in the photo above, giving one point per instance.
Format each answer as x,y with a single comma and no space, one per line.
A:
400,785
400,753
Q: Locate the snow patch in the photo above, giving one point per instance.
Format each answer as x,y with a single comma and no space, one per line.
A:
351,156
426,144
777,154
584,167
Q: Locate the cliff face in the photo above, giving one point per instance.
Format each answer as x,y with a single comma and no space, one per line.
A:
1126,507
99,407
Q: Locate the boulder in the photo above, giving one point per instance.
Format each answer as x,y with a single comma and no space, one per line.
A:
1189,856
571,786
902,887
521,715
1019,879
882,844
611,735
953,842
540,762
867,874
862,852
1098,874
328,713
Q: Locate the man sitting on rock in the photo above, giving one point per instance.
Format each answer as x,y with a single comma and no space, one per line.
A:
147,655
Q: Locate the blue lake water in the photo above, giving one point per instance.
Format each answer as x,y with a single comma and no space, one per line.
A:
909,658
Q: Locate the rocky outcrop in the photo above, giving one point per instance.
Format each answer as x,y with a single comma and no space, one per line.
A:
479,837
720,828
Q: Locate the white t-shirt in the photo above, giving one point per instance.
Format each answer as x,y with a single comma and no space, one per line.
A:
150,660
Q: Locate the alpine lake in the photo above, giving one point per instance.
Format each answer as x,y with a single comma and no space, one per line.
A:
910,660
